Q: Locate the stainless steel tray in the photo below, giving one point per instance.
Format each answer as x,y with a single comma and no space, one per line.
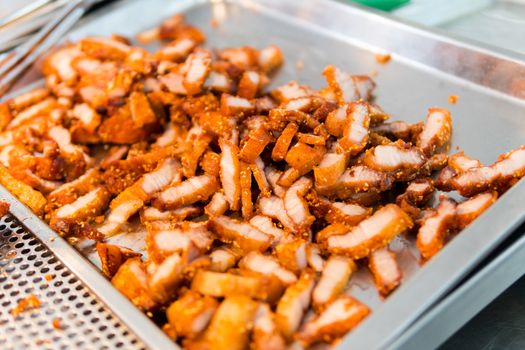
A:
425,69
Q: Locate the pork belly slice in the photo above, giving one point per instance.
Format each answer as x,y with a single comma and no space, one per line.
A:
292,255
192,190
469,210
119,216
296,206
334,229
417,194
225,284
195,144
395,130
334,278
509,168
330,169
360,178
196,69
436,132
230,326
104,48
141,111
283,141
85,207
267,265
265,335
27,195
150,214
347,213
87,116
434,229
218,205
246,191
336,120
132,281
43,107
273,175
258,171
241,234
270,58
371,234
342,84
250,83
290,91
112,256
266,225
236,106
165,277
254,144
181,239
314,258
340,317
230,173
355,131
190,314
456,164
294,303
177,50
273,207
385,269
223,258
399,159
303,157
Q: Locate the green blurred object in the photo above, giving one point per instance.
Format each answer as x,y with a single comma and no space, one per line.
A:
385,5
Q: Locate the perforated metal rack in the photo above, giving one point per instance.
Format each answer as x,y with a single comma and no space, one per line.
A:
70,316
79,308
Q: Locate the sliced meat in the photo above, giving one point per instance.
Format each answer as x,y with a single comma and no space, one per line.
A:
436,132
242,234
195,189
385,269
469,210
334,278
371,234
267,265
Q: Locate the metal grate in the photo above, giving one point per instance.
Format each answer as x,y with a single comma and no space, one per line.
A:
28,267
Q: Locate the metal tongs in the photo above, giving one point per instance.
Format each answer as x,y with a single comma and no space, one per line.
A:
20,59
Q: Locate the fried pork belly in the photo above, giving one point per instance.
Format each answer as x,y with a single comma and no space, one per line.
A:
258,172
303,158
274,208
224,258
266,225
336,320
267,265
294,303
417,194
469,210
265,335
230,326
218,205
456,164
132,281
371,234
385,269
292,255
347,213
314,258
283,142
182,239
360,178
164,278
113,256
190,314
84,208
330,169
334,278
27,195
254,144
509,168
341,84
399,159
270,58
245,180
355,132
150,214
242,234
435,228
190,191
225,284
296,206
436,132
230,173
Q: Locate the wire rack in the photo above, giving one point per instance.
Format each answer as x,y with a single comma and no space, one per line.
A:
69,316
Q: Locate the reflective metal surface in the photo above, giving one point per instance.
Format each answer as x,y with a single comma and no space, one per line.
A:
425,69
